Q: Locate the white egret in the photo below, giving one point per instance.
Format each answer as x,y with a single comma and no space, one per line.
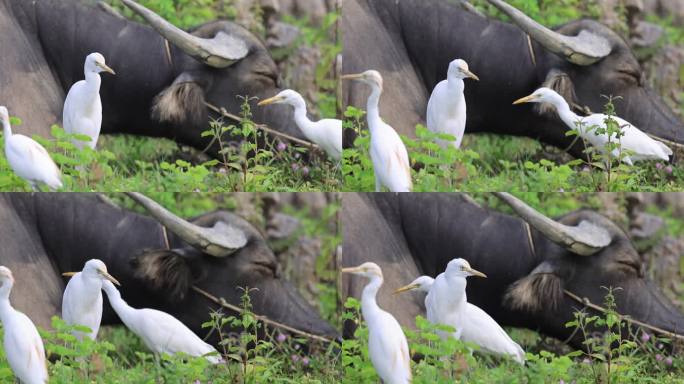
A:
161,332
326,133
641,146
82,300
477,326
28,159
387,151
446,109
23,345
82,108
387,345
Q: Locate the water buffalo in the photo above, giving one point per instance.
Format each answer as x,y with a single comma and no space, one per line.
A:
163,78
528,266
44,235
413,42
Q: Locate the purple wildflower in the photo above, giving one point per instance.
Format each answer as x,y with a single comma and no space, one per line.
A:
659,357
305,360
659,165
295,358
295,166
281,146
668,361
281,338
668,170
645,337
305,171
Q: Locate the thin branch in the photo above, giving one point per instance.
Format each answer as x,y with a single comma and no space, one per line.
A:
584,301
223,303
223,112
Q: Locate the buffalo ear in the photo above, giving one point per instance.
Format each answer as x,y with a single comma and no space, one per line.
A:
542,289
181,103
164,270
560,82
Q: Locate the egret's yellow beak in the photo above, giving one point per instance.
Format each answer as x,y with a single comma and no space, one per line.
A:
69,274
105,68
108,277
354,76
525,99
471,75
475,272
406,288
352,270
271,100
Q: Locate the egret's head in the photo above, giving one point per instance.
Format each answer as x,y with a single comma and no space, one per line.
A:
423,284
541,95
95,62
367,269
459,69
370,77
461,268
6,275
4,114
287,96
95,268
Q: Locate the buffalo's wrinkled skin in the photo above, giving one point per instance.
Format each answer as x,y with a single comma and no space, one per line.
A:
43,45
411,42
44,235
414,234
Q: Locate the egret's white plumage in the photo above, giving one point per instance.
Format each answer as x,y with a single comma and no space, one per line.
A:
388,153
326,133
82,300
22,343
640,144
161,332
471,323
387,345
446,109
82,108
28,159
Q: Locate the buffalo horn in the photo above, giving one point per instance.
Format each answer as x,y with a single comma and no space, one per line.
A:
220,240
584,239
219,52
584,49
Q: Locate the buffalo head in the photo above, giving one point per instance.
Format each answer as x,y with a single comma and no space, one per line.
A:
590,61
216,63
584,253
222,254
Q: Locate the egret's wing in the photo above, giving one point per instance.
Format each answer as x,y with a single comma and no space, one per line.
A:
636,140
171,335
481,329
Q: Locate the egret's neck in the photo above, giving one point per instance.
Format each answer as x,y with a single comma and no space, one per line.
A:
455,83
6,128
373,107
301,119
457,287
369,304
121,308
5,306
93,80
93,286
565,113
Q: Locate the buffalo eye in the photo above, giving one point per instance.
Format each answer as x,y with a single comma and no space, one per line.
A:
267,268
632,267
268,75
630,76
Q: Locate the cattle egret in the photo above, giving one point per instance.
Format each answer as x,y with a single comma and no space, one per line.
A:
28,159
446,109
477,326
387,345
82,301
387,151
23,346
326,133
641,146
82,107
161,332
